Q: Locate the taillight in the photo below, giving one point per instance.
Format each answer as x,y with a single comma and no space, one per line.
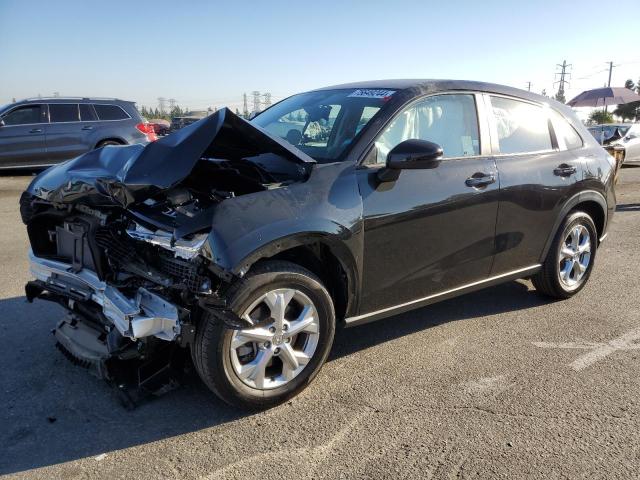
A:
148,130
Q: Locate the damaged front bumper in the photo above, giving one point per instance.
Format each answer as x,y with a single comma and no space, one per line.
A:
144,315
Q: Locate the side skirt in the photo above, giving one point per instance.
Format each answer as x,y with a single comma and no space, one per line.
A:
437,297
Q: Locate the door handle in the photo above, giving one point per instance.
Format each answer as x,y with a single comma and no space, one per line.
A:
35,130
87,127
565,170
480,179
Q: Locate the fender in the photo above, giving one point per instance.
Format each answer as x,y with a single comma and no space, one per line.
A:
336,246
260,225
584,196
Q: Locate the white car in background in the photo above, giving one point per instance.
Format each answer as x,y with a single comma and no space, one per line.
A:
630,143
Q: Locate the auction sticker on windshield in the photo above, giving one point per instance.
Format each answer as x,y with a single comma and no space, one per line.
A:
368,93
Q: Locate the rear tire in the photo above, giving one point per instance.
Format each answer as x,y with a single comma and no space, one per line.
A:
570,259
266,365
104,143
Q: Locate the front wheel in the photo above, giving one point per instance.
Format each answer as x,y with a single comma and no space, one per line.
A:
294,326
570,259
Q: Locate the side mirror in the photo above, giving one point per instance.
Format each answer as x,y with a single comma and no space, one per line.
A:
1,122
410,154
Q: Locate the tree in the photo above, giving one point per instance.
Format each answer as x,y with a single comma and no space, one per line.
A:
629,111
600,116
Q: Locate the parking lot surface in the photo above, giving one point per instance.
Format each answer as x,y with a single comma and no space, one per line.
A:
501,382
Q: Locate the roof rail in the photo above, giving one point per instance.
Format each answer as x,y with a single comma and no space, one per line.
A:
110,99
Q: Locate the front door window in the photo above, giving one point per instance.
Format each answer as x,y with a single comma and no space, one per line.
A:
450,121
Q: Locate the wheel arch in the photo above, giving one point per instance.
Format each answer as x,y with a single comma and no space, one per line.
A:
591,202
328,258
121,141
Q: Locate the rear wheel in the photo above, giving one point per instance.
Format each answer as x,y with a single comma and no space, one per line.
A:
104,143
274,360
570,259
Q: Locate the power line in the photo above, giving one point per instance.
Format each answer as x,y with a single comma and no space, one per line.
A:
591,74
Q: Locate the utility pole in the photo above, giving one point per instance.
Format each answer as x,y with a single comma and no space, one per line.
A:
245,108
256,101
563,74
611,65
162,104
528,86
172,104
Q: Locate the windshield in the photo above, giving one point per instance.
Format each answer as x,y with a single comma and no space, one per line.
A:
323,124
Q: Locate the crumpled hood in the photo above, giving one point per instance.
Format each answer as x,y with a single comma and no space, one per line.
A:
129,174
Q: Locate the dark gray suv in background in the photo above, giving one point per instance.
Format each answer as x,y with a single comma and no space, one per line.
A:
43,131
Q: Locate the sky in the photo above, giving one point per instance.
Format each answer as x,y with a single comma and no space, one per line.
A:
208,53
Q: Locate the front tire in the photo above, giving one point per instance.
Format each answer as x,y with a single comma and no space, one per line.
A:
276,359
570,259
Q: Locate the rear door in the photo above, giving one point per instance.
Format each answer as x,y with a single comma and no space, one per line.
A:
22,138
66,136
537,175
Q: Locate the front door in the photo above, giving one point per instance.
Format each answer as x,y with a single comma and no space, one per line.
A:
430,230
22,137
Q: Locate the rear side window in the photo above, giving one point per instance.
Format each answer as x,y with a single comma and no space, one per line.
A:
63,112
522,127
87,114
564,131
110,112
24,115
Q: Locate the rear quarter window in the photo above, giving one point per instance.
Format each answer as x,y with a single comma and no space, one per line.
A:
565,132
110,112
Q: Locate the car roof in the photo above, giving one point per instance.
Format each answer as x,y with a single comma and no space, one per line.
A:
73,100
423,86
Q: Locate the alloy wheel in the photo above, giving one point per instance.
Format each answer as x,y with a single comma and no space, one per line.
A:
574,256
281,343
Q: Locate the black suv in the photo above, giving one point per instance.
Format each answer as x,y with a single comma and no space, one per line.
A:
44,131
247,243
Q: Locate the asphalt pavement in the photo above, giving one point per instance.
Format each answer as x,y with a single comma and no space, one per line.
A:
498,383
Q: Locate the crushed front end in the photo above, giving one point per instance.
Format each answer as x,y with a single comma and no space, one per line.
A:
121,238
132,292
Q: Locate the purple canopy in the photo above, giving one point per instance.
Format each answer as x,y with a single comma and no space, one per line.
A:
601,97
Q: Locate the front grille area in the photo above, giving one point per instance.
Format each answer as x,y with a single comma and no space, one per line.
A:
122,250
117,248
182,270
